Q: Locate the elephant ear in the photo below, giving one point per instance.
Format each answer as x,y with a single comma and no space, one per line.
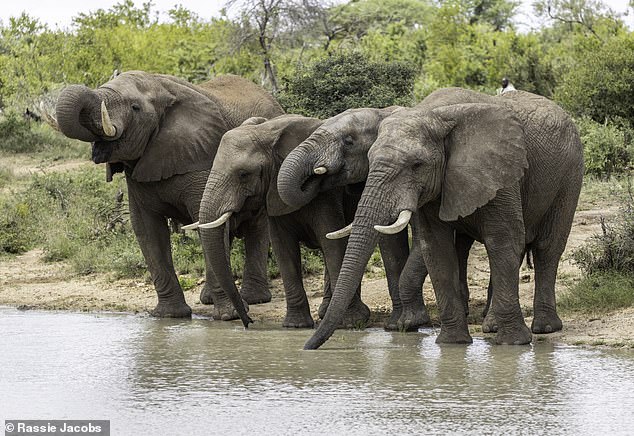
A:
253,121
190,127
288,132
485,152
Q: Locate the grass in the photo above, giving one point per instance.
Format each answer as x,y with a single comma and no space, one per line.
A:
599,293
598,192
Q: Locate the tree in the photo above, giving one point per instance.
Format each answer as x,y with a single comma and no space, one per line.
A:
601,85
336,83
266,21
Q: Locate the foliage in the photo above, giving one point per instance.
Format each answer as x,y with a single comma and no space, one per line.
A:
599,292
334,84
613,249
607,149
18,135
600,86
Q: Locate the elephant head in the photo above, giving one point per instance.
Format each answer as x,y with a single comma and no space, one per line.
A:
334,155
457,154
243,181
137,118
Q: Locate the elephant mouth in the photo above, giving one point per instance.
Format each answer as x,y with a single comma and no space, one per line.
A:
312,183
102,151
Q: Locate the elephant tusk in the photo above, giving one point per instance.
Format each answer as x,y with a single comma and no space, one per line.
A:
108,128
341,233
192,226
220,221
320,170
400,223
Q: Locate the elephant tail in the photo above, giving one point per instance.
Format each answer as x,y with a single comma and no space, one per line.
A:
529,257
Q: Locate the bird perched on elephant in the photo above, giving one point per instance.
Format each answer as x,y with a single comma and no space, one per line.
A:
163,132
505,170
243,179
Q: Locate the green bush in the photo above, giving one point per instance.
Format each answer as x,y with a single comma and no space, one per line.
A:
607,148
613,249
333,84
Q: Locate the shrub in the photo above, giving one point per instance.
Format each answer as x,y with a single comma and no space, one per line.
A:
333,84
607,149
613,249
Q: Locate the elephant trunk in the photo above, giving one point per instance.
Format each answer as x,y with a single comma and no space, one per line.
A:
78,109
297,182
359,250
216,241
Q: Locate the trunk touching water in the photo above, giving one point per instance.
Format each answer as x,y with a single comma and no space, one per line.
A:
78,110
215,241
359,250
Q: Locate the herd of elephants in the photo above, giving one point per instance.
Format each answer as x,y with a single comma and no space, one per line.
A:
223,157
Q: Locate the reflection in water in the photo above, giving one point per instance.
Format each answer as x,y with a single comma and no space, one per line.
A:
205,377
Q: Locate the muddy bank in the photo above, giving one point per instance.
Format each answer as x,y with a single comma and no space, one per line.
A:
29,282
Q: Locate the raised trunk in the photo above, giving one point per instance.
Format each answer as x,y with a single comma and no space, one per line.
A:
77,110
216,241
360,247
294,178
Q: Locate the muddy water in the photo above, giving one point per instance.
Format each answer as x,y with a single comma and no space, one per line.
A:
170,377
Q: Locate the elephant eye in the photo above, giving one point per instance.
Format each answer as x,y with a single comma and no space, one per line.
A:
243,174
417,165
136,107
348,140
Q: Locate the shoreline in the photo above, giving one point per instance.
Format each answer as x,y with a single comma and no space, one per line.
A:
29,283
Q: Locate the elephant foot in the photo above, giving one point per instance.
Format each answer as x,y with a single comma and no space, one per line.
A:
412,318
171,310
356,316
298,319
206,296
546,323
489,324
516,333
256,295
454,335
391,324
223,310
323,307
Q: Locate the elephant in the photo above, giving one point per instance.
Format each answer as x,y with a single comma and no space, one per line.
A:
505,170
336,155
243,179
163,133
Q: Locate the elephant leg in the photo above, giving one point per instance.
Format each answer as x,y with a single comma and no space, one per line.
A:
255,284
394,252
323,307
547,250
489,324
153,235
286,249
463,246
505,243
441,260
414,313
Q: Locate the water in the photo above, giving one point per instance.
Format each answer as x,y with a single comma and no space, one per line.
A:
175,377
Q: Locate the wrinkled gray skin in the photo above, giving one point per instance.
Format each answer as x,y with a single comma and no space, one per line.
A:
167,134
505,170
340,145
243,179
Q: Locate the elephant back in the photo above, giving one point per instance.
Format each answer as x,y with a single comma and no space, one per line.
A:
241,99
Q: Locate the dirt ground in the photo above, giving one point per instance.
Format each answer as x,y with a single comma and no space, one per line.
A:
27,281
